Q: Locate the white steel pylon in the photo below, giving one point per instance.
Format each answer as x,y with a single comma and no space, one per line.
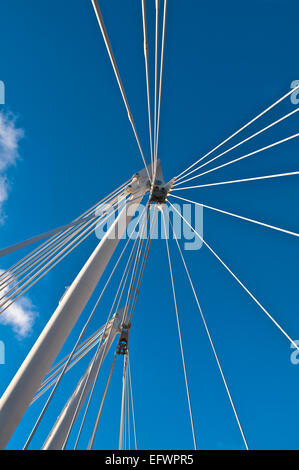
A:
60,431
19,394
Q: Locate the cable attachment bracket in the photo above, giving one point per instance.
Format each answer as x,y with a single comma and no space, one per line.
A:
123,343
160,191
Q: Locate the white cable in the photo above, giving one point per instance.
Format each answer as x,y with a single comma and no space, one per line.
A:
180,335
104,344
256,178
81,347
240,143
132,402
157,3
145,46
238,280
122,409
38,238
76,358
211,342
242,128
68,361
135,266
117,75
96,425
288,232
41,272
128,412
122,284
43,254
241,158
160,83
15,268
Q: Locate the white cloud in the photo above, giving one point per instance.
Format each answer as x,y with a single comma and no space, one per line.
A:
10,135
20,315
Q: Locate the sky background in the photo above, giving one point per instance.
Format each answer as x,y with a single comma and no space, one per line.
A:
70,144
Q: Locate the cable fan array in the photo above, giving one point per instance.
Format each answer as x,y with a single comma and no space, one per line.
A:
24,274
182,178
127,292
15,281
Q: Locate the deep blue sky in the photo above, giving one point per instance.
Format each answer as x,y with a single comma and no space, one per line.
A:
224,63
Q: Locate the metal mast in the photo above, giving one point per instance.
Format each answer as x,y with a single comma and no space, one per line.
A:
27,380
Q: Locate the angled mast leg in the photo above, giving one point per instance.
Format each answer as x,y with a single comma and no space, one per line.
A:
123,350
122,412
60,431
27,380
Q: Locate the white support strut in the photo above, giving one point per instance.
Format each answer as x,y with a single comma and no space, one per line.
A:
24,385
121,429
59,433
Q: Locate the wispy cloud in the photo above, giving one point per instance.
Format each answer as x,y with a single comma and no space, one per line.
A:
19,316
10,136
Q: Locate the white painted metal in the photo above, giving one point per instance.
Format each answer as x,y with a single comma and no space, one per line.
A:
59,432
29,377
121,428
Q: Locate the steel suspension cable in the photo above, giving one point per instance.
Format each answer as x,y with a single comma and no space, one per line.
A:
85,214
36,239
256,178
157,5
123,402
128,412
56,246
145,46
121,284
71,356
238,280
179,332
133,284
123,425
79,354
210,339
106,285
41,260
288,232
64,252
71,365
42,272
241,158
240,143
87,378
48,245
135,267
96,425
81,346
128,264
142,268
122,413
160,83
75,415
242,128
132,401
117,75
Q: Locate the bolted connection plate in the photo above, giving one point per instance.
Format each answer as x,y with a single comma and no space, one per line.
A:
160,191
141,184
